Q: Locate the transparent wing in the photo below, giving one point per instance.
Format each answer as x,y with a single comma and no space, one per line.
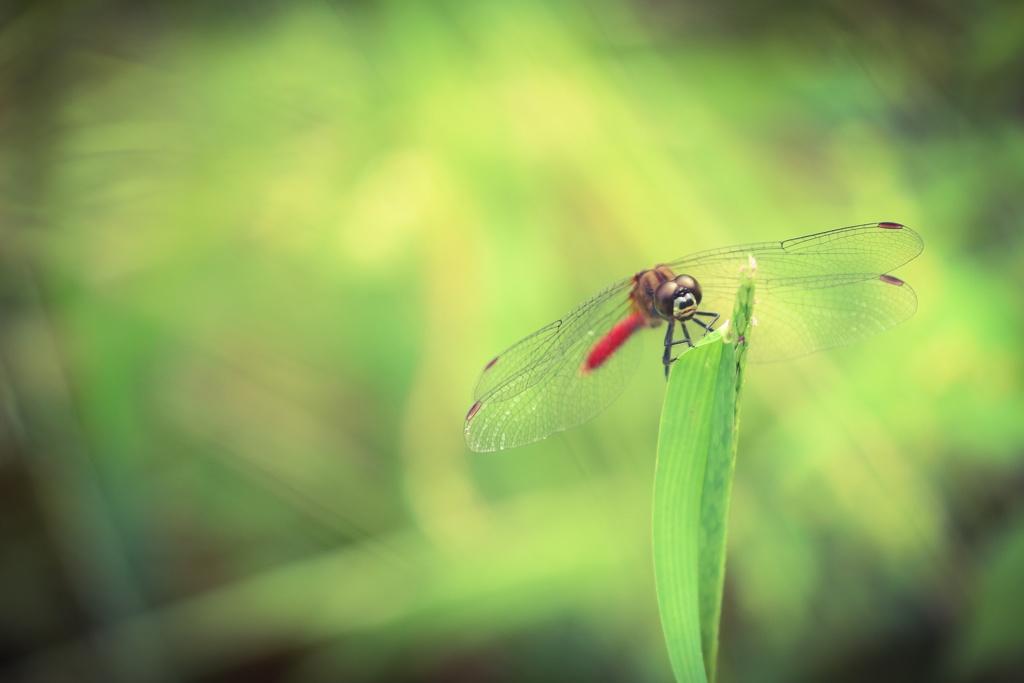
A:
797,317
535,388
815,292
869,248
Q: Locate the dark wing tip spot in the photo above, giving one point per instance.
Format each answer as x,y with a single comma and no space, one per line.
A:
891,280
891,226
473,411
491,364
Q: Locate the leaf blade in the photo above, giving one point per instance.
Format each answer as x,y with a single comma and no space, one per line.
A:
692,487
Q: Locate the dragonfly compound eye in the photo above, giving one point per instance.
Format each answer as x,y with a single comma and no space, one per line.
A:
689,284
678,298
665,297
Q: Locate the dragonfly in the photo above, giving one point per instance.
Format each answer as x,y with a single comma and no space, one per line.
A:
815,292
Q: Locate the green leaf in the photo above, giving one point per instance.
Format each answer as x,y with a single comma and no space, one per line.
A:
692,485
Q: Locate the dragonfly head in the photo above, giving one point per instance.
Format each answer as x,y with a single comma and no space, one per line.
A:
678,298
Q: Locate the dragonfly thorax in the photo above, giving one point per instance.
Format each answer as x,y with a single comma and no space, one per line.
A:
677,298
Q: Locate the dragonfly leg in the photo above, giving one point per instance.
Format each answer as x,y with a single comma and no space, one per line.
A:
710,327
667,359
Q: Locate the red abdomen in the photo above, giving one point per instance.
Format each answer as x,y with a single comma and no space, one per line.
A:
610,343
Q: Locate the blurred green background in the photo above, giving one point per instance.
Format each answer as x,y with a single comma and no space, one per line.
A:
253,256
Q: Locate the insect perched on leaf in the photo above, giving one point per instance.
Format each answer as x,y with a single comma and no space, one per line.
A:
816,292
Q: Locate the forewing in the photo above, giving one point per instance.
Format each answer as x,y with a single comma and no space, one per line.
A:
535,387
860,249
